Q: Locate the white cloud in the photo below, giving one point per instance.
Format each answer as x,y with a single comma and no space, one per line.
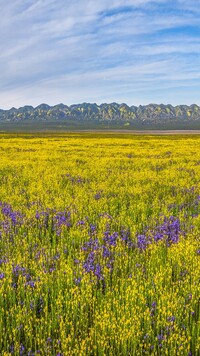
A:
76,50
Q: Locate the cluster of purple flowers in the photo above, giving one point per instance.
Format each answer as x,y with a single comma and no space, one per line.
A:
153,309
164,333
98,195
37,305
18,270
50,263
62,218
53,220
2,275
12,219
75,180
22,351
169,231
15,216
92,260
43,219
101,253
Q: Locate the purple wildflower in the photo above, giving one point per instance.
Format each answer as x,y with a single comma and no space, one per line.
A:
77,281
142,242
2,275
106,252
92,229
30,284
49,340
98,272
160,337
80,223
21,350
110,239
12,349
97,196
153,309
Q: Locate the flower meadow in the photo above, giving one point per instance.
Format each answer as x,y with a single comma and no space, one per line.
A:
99,244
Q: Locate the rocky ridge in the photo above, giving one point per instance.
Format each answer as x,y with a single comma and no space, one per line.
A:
113,112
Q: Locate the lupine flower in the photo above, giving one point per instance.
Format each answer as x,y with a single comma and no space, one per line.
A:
2,275
110,239
77,281
97,196
22,350
142,242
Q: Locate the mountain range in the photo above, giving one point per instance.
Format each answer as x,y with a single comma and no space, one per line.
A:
112,114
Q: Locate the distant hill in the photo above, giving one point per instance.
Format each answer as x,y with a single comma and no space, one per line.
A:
104,115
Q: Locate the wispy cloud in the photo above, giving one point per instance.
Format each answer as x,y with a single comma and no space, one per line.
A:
136,51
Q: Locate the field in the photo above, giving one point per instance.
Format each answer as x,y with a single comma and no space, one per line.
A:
99,244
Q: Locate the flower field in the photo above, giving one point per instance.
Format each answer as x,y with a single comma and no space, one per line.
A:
99,245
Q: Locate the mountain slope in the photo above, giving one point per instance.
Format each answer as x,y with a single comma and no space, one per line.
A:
111,114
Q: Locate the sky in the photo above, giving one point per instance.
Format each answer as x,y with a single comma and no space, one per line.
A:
75,51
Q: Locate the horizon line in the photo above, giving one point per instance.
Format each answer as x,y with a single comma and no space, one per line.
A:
94,103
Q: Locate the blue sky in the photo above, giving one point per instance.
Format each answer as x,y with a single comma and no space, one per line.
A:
133,51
